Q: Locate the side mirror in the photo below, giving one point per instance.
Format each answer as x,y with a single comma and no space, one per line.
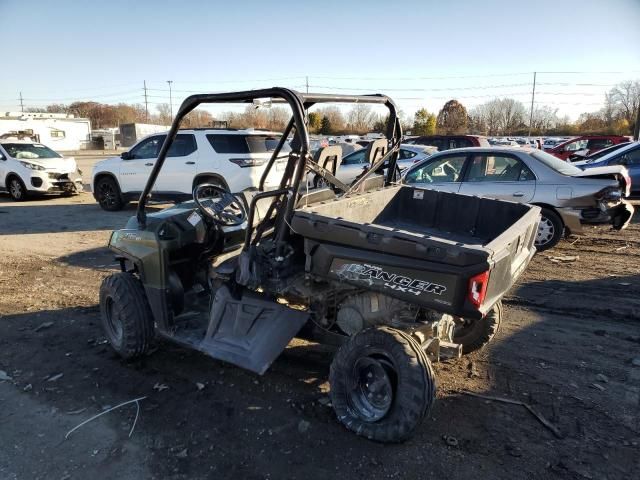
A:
126,156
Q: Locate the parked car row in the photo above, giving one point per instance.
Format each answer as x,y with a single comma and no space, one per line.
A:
590,191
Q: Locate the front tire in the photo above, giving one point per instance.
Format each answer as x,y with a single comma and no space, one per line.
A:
108,194
126,316
382,384
17,190
475,334
550,230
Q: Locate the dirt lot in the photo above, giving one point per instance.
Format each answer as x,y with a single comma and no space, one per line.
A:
570,347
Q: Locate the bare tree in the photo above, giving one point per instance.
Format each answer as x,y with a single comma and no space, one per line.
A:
164,114
512,114
360,118
626,98
335,118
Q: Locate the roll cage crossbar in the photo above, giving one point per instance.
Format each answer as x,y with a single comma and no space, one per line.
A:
300,155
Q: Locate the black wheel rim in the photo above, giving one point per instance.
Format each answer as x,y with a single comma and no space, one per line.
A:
373,386
113,324
107,195
322,183
16,189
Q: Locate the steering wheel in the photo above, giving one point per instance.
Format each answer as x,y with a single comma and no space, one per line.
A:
219,205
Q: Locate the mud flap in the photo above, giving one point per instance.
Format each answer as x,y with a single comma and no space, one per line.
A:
621,215
250,332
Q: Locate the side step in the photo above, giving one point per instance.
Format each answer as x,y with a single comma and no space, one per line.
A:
250,332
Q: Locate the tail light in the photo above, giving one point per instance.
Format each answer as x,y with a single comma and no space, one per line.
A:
478,288
248,162
627,180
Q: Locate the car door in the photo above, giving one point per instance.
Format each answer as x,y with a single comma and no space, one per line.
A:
631,161
352,165
443,173
499,175
136,166
179,168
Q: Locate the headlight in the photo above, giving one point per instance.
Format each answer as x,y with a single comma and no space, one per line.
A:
32,166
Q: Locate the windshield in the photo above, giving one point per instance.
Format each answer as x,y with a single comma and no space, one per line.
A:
556,164
229,143
614,153
29,151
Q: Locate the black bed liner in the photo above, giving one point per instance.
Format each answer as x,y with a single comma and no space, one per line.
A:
424,233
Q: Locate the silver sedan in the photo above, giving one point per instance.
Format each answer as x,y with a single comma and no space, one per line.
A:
569,197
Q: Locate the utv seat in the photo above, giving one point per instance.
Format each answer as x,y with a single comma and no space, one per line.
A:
329,158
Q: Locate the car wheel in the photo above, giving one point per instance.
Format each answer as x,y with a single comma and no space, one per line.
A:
475,334
319,182
17,190
382,384
126,315
108,194
550,230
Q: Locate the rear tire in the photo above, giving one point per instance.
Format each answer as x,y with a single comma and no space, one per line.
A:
477,333
550,230
319,182
126,316
382,384
17,190
108,194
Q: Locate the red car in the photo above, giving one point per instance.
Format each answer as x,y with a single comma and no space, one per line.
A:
585,145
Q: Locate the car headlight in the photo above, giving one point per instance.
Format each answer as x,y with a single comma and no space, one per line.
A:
32,166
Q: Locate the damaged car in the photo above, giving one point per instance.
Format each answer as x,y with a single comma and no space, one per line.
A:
569,197
28,168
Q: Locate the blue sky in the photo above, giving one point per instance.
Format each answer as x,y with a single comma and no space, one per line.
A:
64,51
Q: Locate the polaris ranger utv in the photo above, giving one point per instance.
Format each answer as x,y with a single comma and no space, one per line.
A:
392,276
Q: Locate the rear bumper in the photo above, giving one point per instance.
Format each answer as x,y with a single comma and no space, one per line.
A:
617,216
621,216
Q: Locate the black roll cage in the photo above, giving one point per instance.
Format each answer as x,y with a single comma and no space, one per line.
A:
298,158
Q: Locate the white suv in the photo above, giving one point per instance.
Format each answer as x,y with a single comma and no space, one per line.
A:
233,159
27,167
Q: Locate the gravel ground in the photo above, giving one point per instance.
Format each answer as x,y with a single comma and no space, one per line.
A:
569,347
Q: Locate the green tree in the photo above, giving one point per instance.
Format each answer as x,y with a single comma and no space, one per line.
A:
452,118
424,123
325,126
315,122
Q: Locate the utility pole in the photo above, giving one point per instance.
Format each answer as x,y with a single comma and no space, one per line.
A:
21,103
146,103
533,96
636,130
170,100
307,77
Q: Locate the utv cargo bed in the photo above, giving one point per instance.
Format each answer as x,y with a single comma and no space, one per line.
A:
425,246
